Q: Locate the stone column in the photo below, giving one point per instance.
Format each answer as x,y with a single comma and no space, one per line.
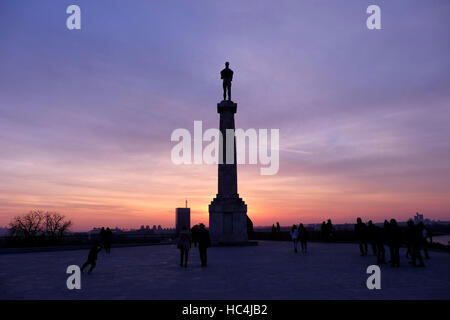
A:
227,212
227,174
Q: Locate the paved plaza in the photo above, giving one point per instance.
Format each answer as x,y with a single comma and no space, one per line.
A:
268,271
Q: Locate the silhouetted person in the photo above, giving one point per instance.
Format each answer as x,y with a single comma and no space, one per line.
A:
395,240
323,231
194,231
227,76
413,239
409,236
103,236
274,231
379,241
361,236
278,227
423,241
330,230
92,257
386,235
294,236
371,237
108,240
204,242
184,244
303,237
417,245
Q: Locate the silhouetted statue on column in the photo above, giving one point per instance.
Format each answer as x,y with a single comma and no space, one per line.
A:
227,211
227,76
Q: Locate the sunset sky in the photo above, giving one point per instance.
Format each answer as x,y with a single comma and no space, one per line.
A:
86,115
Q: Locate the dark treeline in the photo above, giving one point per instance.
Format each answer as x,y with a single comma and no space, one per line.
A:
38,226
83,238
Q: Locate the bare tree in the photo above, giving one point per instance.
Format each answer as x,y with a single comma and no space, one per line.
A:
28,226
55,225
39,223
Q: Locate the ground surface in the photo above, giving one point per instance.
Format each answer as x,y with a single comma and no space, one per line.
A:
268,271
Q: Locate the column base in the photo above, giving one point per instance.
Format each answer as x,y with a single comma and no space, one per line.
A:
228,221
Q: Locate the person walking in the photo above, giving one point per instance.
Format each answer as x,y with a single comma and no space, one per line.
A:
423,238
371,237
274,232
204,242
303,237
379,241
323,231
386,237
92,257
414,239
330,231
294,236
194,233
361,236
108,240
184,244
102,236
395,240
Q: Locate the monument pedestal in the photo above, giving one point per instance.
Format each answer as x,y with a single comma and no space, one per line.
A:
227,212
228,221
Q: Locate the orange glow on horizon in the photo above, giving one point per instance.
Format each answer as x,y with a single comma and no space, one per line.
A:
269,199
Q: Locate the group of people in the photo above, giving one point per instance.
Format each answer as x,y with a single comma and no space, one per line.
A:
275,235
104,243
391,235
327,231
415,238
106,239
299,234
275,229
199,236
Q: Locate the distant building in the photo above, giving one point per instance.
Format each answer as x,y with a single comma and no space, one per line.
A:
418,218
182,218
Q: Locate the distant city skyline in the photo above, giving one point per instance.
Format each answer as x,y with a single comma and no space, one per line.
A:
287,224
86,115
